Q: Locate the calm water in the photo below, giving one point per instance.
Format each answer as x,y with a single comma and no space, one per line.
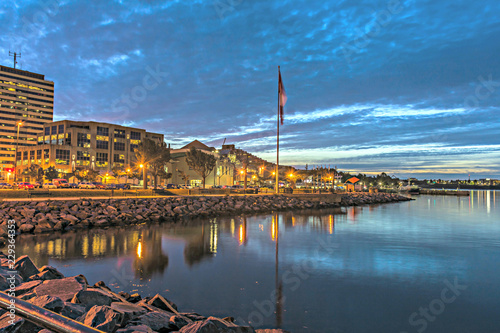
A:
374,269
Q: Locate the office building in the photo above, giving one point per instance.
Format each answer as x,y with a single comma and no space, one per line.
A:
26,105
68,145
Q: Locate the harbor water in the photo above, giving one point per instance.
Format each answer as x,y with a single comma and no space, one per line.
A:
425,265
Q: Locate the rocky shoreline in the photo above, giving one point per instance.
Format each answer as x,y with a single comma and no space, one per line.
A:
66,215
98,306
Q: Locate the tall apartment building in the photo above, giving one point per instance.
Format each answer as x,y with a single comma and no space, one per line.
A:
69,145
26,98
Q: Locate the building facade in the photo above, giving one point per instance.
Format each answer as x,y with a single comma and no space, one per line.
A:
69,145
26,105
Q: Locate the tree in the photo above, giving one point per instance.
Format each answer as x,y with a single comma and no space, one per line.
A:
184,176
35,172
154,157
200,162
51,173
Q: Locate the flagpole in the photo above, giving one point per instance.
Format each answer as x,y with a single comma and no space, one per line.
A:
278,137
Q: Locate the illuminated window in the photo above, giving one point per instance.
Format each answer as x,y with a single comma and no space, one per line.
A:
83,156
119,133
117,158
83,140
102,131
62,156
102,160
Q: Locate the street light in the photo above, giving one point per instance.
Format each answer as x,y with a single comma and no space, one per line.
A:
19,124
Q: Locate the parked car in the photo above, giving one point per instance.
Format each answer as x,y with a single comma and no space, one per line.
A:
5,185
237,187
37,185
49,185
25,186
110,186
60,183
99,185
122,186
171,186
72,185
86,185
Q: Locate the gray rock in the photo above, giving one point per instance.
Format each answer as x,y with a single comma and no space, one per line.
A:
92,297
73,310
130,311
136,329
12,327
27,287
158,321
179,321
25,267
65,288
102,317
215,325
48,302
26,228
158,301
47,273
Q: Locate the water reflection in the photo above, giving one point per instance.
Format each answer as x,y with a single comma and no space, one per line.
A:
378,263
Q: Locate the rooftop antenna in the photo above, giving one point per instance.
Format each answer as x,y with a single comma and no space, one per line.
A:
15,55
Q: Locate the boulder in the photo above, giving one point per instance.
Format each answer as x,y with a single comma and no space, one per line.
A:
9,326
130,311
102,317
48,302
65,288
215,325
73,310
47,273
26,228
91,297
159,302
136,329
27,287
25,267
158,321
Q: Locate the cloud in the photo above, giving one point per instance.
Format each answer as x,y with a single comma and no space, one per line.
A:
413,82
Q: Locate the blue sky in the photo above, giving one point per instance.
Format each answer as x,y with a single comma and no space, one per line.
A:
405,87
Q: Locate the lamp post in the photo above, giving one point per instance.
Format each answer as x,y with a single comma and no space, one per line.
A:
19,124
144,179
126,179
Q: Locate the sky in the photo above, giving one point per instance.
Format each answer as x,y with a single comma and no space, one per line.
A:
406,87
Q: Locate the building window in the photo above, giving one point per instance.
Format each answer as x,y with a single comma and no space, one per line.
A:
40,140
119,133
83,140
102,131
83,156
68,139
61,128
117,158
54,130
39,154
47,130
135,135
102,160
120,146
60,139
62,156
102,144
47,140
32,155
133,147
53,139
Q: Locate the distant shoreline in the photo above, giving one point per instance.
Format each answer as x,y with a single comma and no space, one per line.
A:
462,187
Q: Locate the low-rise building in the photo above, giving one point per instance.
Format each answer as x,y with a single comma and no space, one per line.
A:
68,145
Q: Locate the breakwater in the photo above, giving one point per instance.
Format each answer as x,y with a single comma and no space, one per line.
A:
445,192
64,215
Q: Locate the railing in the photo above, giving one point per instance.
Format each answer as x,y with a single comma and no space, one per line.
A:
43,317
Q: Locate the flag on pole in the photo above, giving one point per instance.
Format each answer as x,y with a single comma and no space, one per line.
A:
282,98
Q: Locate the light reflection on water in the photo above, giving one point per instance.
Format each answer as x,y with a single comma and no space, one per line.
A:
364,271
